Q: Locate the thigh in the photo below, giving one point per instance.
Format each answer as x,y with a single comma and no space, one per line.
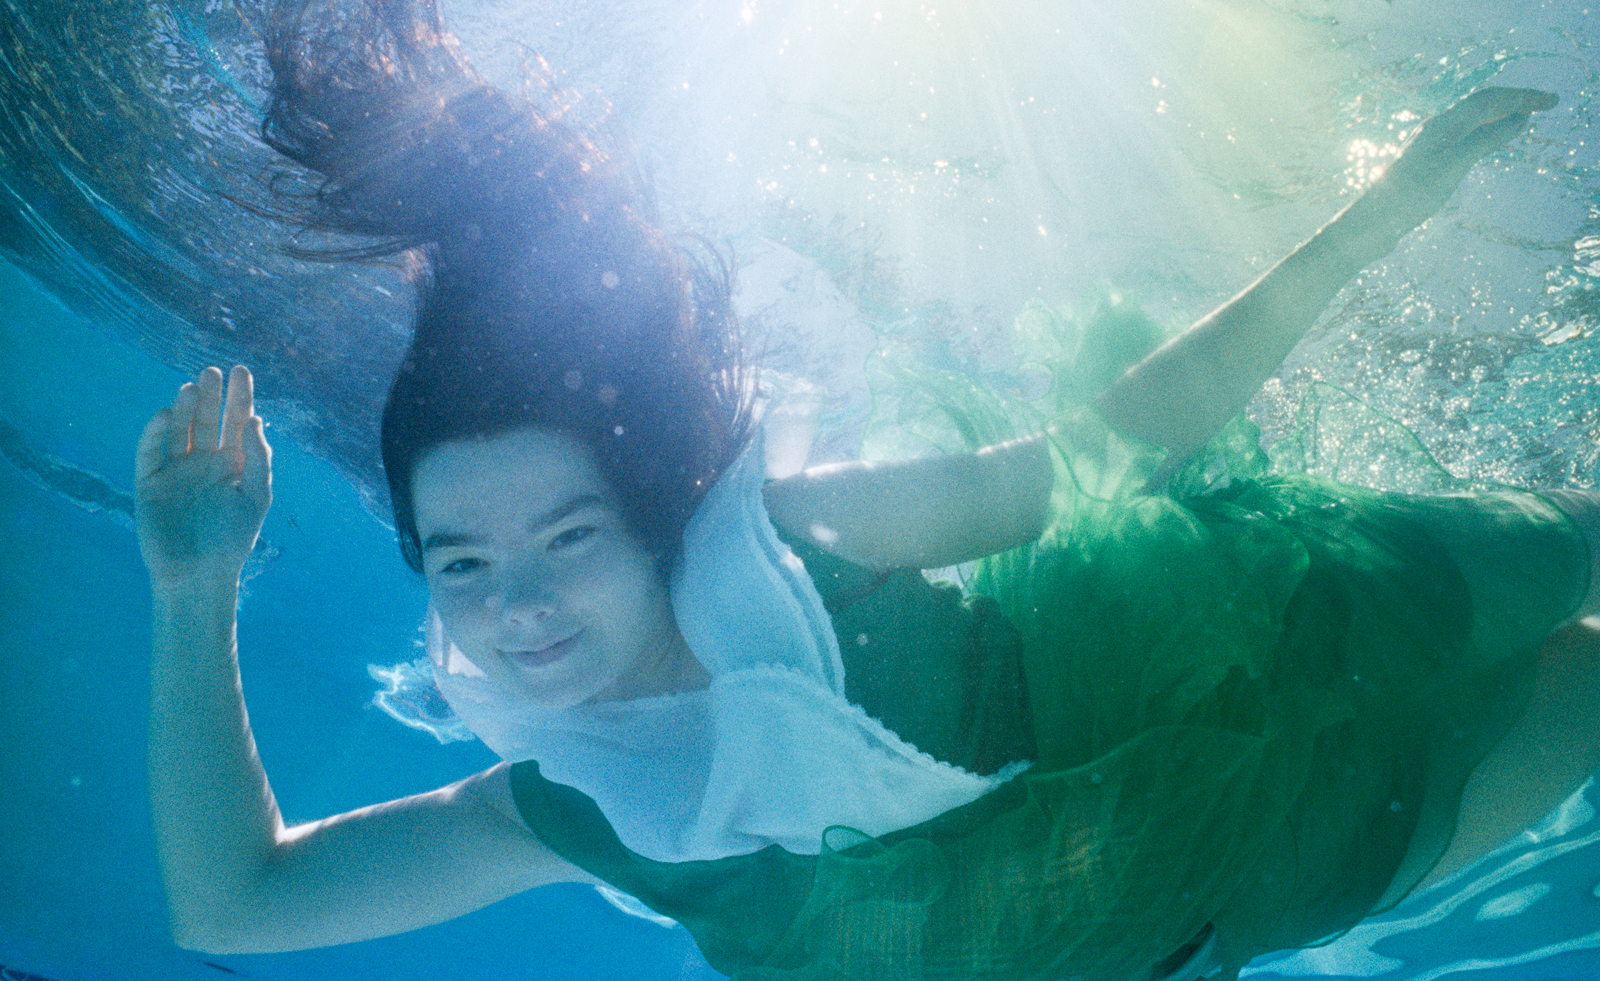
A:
1583,507
1546,756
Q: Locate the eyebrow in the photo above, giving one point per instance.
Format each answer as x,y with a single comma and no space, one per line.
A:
567,508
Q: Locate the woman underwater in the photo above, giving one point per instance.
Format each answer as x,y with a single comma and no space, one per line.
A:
1168,731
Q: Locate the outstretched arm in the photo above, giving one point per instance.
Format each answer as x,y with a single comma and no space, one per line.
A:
1183,393
237,879
943,510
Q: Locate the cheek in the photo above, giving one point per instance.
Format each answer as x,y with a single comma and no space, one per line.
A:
644,590
611,585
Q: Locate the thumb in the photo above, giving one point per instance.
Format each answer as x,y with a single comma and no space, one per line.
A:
256,478
152,452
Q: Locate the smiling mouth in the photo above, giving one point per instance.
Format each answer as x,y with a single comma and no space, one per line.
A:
541,656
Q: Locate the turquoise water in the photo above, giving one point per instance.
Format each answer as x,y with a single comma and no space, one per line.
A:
900,170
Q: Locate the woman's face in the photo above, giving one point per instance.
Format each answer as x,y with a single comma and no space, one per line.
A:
536,576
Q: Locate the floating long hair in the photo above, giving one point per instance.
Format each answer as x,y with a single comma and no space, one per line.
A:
545,296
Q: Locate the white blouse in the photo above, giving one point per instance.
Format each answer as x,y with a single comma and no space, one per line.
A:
770,753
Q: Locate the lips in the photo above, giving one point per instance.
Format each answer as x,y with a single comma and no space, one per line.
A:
538,657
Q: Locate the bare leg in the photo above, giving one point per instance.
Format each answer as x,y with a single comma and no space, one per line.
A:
1583,507
1555,746
1546,756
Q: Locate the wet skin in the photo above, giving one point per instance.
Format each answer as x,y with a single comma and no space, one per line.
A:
537,578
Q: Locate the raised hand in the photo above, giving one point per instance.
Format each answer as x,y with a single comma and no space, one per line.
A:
203,480
1436,159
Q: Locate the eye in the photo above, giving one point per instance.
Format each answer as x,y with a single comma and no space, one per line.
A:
572,536
460,567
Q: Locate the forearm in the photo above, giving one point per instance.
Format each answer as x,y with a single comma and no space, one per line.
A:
925,513
1186,391
215,819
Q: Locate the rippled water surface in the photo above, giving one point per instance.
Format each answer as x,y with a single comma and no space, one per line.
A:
892,170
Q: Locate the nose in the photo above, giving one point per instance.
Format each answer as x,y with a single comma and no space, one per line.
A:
522,601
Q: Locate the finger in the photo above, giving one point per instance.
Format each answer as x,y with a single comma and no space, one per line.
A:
240,407
152,452
256,481
208,408
181,428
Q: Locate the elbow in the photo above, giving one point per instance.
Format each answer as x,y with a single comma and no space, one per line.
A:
221,927
204,943
204,938
210,934
221,904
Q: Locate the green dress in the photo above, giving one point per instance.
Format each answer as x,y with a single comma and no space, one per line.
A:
1252,701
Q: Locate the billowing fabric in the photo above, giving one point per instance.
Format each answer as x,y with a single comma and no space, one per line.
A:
942,669
771,753
1255,700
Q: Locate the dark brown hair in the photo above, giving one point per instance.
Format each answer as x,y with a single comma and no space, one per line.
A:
544,295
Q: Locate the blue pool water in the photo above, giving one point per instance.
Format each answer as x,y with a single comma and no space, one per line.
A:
1017,149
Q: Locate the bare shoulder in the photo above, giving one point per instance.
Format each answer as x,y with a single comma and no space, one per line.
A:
490,796
485,803
491,789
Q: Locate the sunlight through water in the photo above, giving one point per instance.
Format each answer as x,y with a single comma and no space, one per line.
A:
911,175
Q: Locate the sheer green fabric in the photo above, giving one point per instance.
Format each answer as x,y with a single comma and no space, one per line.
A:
1252,700
940,669
1340,656
1253,708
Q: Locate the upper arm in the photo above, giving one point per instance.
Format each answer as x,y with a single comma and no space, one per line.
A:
386,869
925,513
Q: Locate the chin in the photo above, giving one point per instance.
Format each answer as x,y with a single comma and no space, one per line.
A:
558,695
